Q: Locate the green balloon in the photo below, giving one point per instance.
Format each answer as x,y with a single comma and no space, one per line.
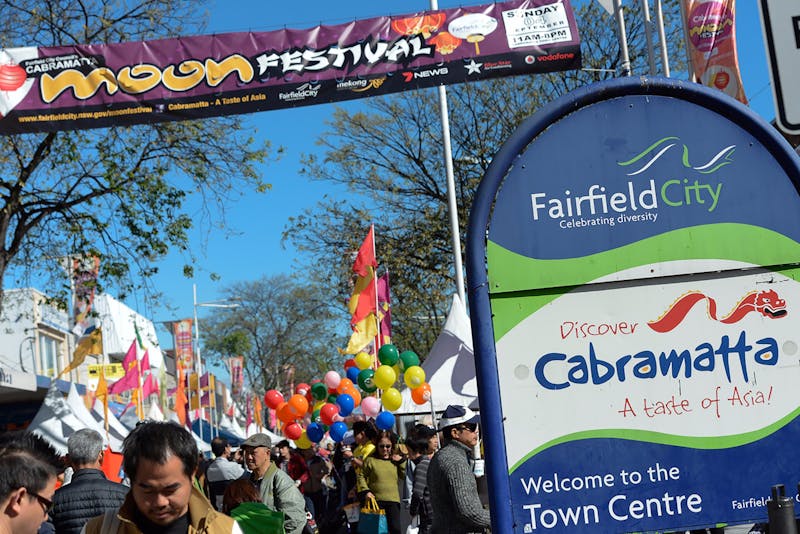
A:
365,380
388,354
315,417
332,398
408,359
319,391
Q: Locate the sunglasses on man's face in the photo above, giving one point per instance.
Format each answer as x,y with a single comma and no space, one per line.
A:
46,503
472,427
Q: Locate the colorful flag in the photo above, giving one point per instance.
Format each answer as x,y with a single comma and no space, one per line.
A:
162,391
84,271
236,365
138,336
150,385
181,402
362,302
182,341
363,334
258,409
711,44
90,343
102,393
131,365
384,309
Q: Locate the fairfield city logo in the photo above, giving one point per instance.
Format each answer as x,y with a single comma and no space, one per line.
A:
638,200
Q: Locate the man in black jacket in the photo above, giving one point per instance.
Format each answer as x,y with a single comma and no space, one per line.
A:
90,493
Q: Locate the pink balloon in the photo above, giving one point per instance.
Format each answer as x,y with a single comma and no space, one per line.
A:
332,379
371,406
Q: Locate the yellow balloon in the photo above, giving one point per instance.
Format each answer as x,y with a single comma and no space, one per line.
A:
303,442
363,360
391,399
319,404
414,376
384,376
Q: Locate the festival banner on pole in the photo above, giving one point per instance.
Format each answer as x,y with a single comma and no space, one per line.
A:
84,271
93,86
182,341
236,365
710,28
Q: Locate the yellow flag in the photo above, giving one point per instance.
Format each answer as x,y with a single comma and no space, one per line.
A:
102,393
89,344
363,334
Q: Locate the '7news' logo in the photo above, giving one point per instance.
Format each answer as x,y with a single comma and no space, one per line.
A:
430,73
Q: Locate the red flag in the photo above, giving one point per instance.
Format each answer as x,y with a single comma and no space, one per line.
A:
366,254
131,378
362,302
150,386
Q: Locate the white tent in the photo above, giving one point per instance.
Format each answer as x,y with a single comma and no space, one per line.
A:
253,429
129,418
230,424
75,403
202,446
116,430
449,367
155,413
55,421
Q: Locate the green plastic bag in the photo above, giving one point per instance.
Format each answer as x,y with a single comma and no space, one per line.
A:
256,518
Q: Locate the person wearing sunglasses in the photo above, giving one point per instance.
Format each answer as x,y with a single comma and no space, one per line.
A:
29,467
379,477
456,507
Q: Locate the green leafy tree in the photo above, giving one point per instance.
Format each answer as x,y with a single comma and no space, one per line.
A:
283,328
391,158
120,193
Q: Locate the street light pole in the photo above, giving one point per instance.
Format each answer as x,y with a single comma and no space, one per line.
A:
198,359
197,362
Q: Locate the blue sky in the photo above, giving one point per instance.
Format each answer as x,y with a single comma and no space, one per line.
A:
252,247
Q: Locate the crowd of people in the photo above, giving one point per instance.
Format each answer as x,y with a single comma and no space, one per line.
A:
261,487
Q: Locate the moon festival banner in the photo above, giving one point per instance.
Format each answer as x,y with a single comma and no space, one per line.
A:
91,86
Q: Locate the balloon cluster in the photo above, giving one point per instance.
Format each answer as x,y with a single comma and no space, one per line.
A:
328,401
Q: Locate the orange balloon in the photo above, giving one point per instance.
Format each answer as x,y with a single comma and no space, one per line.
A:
344,385
285,413
353,392
422,394
298,405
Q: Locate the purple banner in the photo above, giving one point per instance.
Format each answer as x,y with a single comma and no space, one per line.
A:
93,86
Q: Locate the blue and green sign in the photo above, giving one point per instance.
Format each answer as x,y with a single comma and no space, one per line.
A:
633,310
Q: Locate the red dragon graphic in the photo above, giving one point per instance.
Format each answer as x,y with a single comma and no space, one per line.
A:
767,303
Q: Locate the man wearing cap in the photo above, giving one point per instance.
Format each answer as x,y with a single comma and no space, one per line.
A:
277,489
457,509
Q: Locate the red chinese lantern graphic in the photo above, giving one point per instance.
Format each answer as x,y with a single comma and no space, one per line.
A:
11,77
445,42
425,25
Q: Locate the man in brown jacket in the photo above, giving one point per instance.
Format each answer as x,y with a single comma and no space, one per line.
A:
160,459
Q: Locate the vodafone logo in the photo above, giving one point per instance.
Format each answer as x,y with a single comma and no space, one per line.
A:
530,60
